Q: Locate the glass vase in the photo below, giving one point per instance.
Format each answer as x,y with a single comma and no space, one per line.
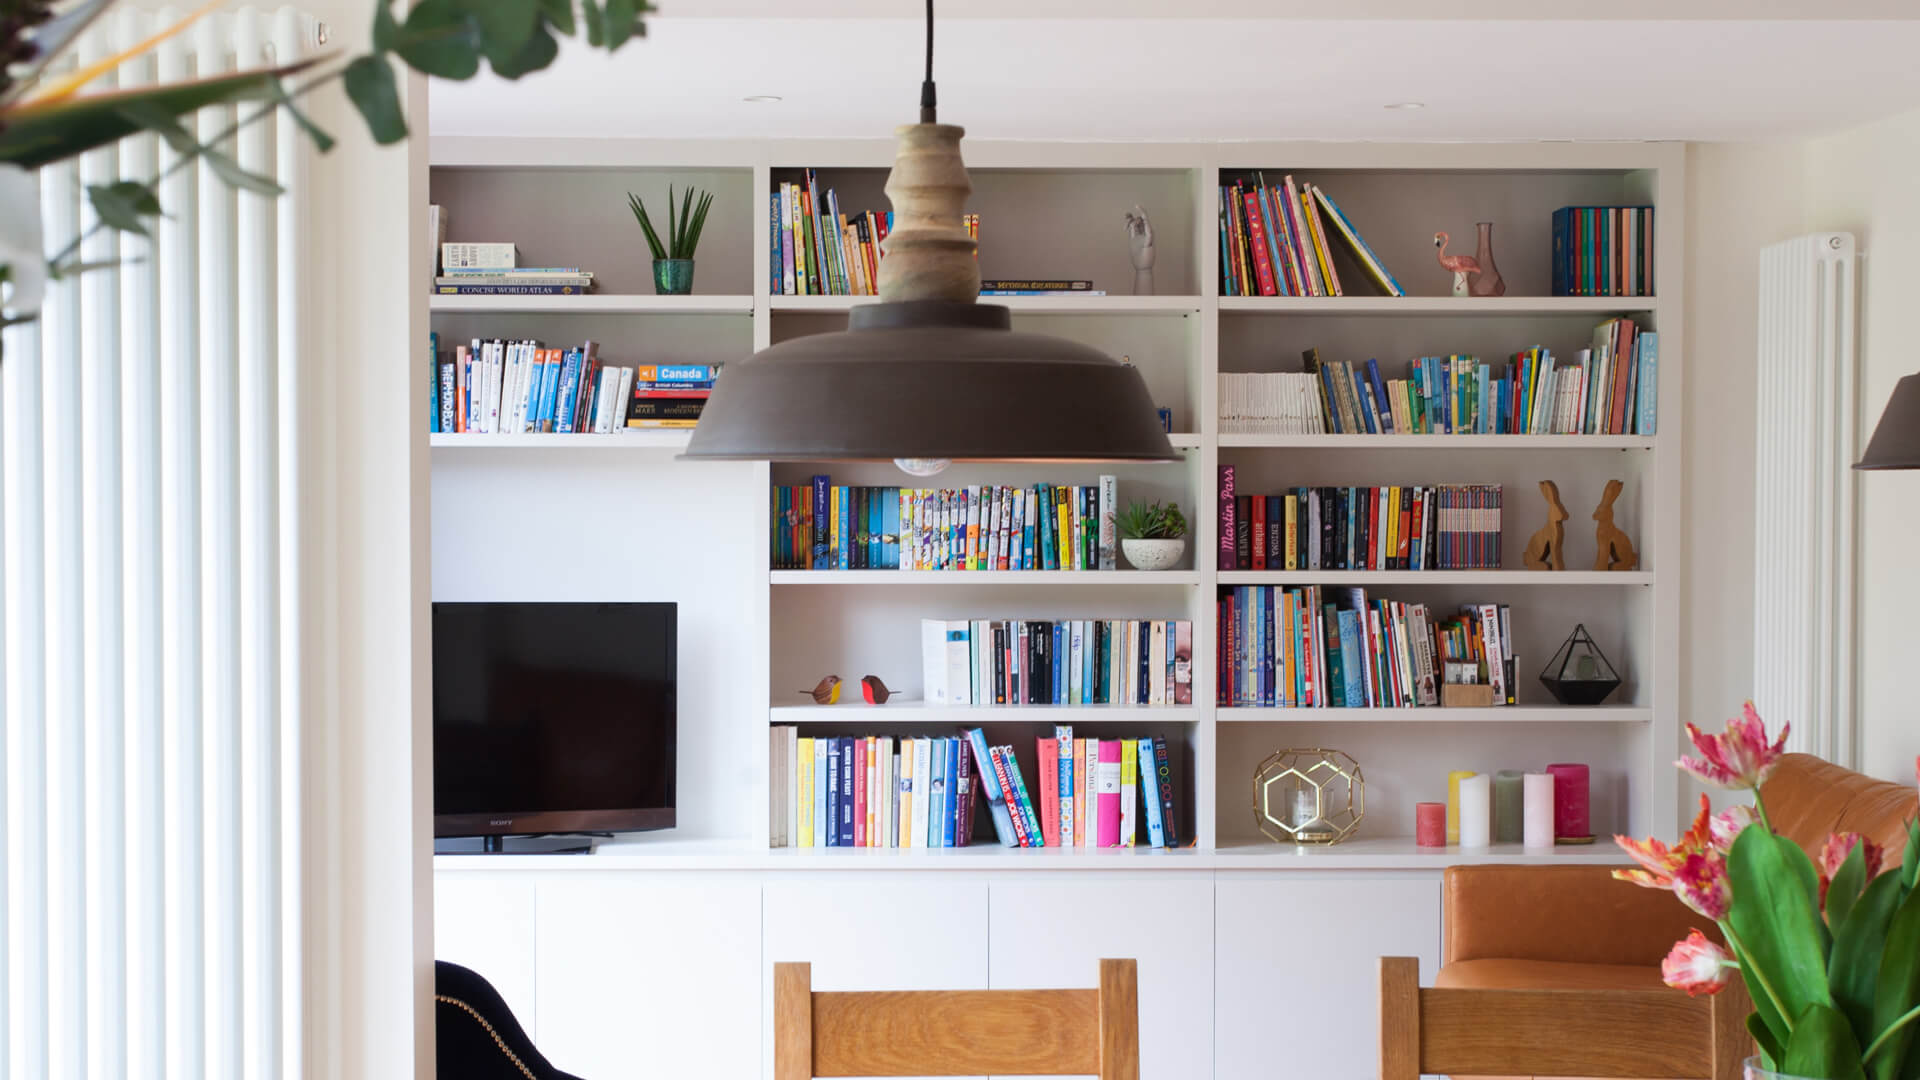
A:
1488,281
1755,1069
673,277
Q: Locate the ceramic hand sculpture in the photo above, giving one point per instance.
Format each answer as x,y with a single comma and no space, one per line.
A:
1140,251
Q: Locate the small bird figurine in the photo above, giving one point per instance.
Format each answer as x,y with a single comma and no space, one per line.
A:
827,692
1459,265
874,690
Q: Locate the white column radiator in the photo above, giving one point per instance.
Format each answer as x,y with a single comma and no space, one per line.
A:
148,679
1803,599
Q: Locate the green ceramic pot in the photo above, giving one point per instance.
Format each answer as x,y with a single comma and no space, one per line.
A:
673,277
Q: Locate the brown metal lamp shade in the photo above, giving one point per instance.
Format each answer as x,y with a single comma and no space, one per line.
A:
930,379
1896,439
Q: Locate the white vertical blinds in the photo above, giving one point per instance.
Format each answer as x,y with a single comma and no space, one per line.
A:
148,602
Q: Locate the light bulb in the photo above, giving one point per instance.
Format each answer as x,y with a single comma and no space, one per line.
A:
923,466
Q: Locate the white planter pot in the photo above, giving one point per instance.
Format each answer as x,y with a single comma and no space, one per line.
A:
1154,554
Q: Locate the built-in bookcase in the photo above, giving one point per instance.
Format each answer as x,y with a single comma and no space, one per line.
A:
1056,211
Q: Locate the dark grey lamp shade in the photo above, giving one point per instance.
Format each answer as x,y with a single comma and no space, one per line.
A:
1896,439
929,379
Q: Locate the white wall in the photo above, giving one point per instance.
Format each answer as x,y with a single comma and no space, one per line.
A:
1862,181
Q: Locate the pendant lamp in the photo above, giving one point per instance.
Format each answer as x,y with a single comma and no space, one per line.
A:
1896,438
927,375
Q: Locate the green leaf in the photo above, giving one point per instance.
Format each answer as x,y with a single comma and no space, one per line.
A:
505,25
560,14
370,86
1763,1008
1845,887
1822,1046
230,171
321,140
39,134
386,32
1897,990
596,23
539,51
1853,971
122,204
1910,862
622,15
440,38
1771,1051
1776,916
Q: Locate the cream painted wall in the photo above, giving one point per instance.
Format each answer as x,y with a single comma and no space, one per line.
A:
1862,181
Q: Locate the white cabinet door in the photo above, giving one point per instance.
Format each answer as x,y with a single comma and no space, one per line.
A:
1052,932
650,975
1297,991
485,921
889,931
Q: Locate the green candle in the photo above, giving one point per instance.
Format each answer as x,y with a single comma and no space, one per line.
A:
1508,805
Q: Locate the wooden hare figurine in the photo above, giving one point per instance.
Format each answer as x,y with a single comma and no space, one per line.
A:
1544,550
1616,551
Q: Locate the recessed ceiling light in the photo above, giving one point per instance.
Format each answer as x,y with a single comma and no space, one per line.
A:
762,99
1406,105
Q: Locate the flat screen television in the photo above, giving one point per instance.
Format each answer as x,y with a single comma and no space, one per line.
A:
553,718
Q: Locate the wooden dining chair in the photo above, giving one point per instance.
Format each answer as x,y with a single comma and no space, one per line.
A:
1438,1031
956,1032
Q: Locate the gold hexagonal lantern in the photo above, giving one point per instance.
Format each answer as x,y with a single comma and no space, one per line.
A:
1305,796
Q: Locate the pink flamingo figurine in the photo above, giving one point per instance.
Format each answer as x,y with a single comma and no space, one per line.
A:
1460,265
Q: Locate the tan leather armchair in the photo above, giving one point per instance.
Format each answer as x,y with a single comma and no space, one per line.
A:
1543,967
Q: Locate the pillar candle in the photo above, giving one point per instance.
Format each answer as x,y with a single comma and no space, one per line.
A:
1507,806
1570,802
1476,811
1538,827
1430,824
1453,802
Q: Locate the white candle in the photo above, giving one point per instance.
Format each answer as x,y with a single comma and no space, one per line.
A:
1538,811
1476,811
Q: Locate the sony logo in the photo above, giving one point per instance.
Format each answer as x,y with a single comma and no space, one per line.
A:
501,821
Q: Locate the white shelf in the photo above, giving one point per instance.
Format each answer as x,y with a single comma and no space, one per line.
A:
1438,305
1101,578
1066,304
896,712
657,440
1185,440
594,304
1601,578
1516,714
1442,442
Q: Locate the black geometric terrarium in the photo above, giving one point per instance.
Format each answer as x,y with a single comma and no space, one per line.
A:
1579,673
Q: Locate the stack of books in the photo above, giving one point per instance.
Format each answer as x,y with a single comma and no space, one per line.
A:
1310,647
1445,527
1609,388
1277,241
670,395
1057,662
489,270
883,792
816,248
1603,251
821,526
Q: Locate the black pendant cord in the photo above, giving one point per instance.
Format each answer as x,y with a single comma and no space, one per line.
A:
926,85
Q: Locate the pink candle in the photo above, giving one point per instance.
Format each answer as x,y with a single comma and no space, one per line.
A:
1430,824
1570,806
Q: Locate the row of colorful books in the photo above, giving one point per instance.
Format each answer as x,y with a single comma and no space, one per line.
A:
503,387
823,526
1444,527
816,248
1310,647
1603,251
882,792
1056,662
1277,241
1610,388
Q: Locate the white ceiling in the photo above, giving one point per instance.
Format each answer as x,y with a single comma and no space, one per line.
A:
1015,69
